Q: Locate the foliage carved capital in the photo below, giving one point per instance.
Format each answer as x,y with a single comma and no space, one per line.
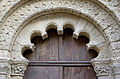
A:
19,67
101,67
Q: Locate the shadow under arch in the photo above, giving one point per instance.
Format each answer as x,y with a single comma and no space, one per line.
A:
51,26
70,51
68,25
67,32
34,34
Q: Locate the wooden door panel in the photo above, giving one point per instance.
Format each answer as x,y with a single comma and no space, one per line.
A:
70,49
67,73
35,72
60,57
61,48
46,50
65,51
53,37
79,73
74,73
56,73
78,50
45,72
90,73
41,52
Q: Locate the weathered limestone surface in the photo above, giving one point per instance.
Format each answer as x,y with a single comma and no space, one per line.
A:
21,20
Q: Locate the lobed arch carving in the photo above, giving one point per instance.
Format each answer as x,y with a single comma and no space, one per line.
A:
75,13
14,22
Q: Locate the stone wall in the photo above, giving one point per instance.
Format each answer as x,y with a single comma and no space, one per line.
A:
99,20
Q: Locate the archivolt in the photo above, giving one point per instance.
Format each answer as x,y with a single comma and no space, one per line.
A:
59,21
8,6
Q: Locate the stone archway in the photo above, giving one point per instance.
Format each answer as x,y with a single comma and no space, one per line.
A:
79,25
106,25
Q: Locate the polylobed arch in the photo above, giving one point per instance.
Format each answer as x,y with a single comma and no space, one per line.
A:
84,15
16,20
25,49
43,31
15,23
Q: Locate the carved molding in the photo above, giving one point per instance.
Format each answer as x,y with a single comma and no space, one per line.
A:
101,70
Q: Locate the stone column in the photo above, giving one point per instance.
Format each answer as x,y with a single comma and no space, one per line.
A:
18,68
102,69
116,70
5,68
5,64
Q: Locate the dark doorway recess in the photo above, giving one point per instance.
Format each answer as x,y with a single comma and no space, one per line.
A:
60,57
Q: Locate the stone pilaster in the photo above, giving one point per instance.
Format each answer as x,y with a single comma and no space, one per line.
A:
5,68
18,68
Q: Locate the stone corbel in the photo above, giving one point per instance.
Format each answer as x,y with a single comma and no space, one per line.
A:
18,68
60,31
75,35
101,68
44,35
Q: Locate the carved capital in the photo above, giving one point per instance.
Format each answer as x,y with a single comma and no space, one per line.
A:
101,70
101,67
19,67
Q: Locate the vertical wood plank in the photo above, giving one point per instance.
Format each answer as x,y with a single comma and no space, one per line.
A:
36,73
78,54
65,51
89,73
55,72
60,48
78,73
68,73
53,37
42,49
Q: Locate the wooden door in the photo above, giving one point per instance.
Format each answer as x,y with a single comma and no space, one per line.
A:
60,57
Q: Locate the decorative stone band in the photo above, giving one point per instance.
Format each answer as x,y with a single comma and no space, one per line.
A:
19,67
101,67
